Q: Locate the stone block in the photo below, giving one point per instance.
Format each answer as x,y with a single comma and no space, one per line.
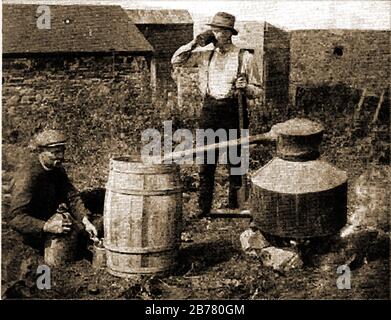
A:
281,259
252,241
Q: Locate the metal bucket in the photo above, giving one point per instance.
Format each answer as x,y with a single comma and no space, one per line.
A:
61,248
98,257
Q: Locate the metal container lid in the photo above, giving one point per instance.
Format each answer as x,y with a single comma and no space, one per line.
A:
298,139
298,127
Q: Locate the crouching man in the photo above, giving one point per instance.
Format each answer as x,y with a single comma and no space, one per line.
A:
40,186
41,189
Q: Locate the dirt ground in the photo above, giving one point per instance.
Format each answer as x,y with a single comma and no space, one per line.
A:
213,266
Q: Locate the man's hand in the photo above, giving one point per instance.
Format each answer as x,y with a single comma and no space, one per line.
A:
57,224
204,38
241,82
90,228
193,44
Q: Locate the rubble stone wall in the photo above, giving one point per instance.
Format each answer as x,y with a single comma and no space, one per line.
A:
103,102
355,58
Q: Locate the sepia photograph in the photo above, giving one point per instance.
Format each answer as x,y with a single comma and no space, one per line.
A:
219,151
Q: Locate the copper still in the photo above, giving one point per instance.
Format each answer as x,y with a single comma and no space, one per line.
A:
297,195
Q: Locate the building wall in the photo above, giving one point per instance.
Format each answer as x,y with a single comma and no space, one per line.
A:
355,58
276,61
102,106
166,39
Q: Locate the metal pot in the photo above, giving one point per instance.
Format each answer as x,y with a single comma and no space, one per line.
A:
296,195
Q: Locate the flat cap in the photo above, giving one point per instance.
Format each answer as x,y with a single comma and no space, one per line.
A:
50,138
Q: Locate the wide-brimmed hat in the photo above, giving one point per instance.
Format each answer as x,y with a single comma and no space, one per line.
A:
224,20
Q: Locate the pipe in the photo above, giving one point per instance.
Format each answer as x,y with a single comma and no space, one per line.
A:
251,140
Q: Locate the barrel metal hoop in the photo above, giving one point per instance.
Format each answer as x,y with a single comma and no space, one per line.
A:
146,172
145,192
141,250
122,272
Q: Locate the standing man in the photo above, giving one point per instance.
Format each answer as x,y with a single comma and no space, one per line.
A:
40,186
222,71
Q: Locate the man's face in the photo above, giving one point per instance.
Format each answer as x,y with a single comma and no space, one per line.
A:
53,156
222,35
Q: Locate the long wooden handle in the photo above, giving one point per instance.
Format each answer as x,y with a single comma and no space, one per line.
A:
256,139
241,109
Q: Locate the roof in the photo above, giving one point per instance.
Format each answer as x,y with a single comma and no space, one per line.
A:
74,28
340,31
160,16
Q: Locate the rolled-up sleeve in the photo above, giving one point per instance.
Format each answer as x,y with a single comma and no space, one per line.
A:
21,206
185,56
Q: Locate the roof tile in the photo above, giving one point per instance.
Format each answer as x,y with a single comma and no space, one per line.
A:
90,29
159,16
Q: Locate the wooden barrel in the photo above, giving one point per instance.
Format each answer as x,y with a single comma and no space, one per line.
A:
142,217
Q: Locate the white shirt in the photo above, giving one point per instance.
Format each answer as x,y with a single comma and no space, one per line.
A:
217,70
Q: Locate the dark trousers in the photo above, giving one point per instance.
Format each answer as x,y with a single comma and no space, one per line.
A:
218,114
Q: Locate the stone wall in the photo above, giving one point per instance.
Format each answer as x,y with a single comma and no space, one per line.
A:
102,102
277,64
344,72
355,58
189,96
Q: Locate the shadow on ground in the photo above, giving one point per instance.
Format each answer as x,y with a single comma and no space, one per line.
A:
199,257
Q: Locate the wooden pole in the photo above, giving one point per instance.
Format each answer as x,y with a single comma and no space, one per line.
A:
242,193
376,115
360,103
251,140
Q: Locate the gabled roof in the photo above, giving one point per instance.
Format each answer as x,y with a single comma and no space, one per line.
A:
74,28
160,16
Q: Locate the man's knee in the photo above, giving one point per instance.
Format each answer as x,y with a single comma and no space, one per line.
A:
22,261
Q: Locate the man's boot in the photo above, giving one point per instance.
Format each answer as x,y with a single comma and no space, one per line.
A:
233,192
205,200
233,202
206,188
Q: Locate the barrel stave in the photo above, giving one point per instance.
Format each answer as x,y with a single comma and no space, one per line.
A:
143,218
